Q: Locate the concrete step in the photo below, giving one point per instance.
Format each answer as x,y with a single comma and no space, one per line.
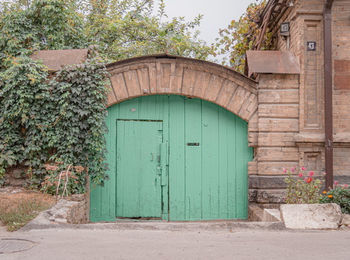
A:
260,214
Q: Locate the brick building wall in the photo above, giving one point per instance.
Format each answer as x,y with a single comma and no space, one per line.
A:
341,90
291,107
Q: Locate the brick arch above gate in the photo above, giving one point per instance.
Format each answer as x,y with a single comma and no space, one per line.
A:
166,74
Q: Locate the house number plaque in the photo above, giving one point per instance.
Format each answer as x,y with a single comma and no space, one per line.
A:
311,46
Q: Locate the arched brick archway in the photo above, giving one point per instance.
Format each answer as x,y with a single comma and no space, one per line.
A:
183,134
165,74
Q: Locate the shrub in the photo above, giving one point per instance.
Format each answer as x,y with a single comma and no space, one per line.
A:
340,195
304,188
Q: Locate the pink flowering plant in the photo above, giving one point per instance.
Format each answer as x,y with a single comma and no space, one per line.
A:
302,187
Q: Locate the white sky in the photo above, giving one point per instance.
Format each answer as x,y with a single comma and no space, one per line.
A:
217,13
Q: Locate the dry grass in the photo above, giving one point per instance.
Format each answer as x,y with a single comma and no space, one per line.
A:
17,209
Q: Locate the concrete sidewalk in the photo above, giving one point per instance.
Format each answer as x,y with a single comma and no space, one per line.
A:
163,244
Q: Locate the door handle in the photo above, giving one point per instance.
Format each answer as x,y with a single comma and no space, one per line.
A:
164,163
152,157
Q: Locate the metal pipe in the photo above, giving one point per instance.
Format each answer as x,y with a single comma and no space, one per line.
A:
328,95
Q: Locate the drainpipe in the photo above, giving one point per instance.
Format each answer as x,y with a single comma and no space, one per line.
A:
328,96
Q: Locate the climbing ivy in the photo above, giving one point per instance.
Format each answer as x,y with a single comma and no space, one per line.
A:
78,135
59,121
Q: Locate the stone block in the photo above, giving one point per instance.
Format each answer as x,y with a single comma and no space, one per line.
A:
226,92
213,88
252,167
71,211
274,168
274,154
266,196
132,83
255,213
345,222
311,216
271,215
278,125
279,110
266,182
252,194
268,96
270,196
276,139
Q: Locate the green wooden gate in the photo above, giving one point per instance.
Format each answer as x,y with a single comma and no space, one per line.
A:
173,158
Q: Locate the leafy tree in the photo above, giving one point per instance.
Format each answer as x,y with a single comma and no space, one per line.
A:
128,28
240,36
119,28
43,25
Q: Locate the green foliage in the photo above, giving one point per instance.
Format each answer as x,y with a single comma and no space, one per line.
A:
45,24
78,136
240,36
6,159
120,29
302,190
24,100
129,28
61,120
339,195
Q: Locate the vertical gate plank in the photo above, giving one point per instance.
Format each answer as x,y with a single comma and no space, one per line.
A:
102,199
243,155
148,108
223,169
164,114
210,167
177,184
231,165
193,159
112,155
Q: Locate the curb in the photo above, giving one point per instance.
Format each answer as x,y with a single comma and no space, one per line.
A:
163,226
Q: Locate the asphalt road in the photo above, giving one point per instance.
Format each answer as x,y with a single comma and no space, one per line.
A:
150,244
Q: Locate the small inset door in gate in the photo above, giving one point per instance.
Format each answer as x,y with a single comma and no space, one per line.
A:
139,169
